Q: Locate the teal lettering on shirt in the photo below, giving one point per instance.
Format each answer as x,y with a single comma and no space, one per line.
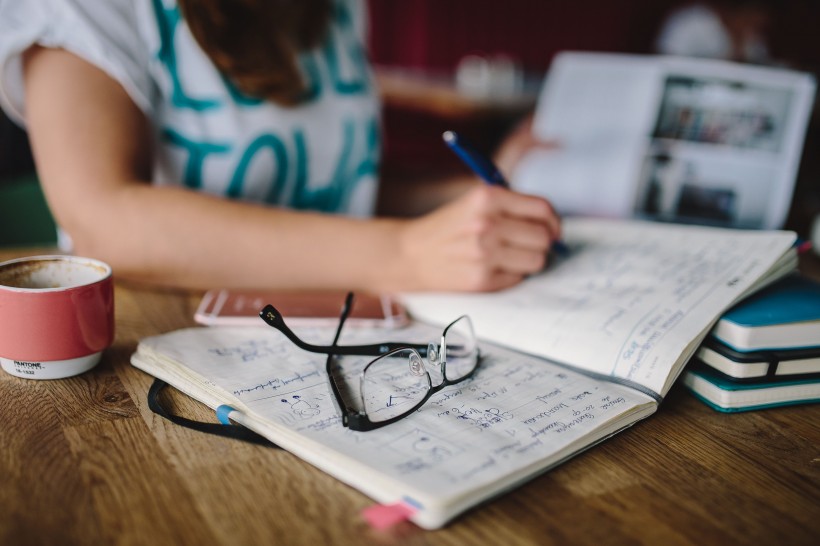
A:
346,43
370,163
345,74
276,145
197,152
167,23
328,197
312,79
337,193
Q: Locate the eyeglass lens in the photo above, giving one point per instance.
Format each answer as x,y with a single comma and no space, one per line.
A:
460,351
395,383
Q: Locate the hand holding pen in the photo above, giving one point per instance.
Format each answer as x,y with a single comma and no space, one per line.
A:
488,239
487,171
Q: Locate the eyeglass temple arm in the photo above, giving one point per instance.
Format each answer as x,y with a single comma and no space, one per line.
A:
273,318
341,407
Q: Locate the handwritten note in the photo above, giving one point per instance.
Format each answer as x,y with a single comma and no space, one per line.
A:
630,302
516,414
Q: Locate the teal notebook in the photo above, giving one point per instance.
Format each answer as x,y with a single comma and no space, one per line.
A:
721,393
785,315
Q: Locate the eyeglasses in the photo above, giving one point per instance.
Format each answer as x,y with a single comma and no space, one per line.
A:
397,382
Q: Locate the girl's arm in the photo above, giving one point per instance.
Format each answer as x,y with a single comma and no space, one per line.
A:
93,153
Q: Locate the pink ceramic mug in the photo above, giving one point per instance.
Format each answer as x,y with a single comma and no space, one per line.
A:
56,315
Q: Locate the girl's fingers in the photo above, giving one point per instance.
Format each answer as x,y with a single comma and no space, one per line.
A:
518,261
523,234
528,207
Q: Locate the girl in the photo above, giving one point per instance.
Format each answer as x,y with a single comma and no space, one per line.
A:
235,143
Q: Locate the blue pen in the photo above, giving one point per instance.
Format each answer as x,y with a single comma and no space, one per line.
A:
486,169
480,164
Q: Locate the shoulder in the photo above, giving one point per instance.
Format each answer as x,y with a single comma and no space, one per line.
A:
105,34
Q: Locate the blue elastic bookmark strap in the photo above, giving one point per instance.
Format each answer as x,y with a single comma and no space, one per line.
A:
222,413
225,429
412,502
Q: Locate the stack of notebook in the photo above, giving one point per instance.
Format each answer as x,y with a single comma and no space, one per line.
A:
763,352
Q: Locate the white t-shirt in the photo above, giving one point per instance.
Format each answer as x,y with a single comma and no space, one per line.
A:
321,155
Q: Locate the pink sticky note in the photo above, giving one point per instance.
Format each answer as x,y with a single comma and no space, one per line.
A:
382,516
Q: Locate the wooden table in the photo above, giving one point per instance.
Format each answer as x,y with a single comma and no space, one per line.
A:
84,461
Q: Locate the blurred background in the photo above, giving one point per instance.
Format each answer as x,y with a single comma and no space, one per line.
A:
420,47
439,63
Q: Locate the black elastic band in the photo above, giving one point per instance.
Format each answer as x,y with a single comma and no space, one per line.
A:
771,372
237,432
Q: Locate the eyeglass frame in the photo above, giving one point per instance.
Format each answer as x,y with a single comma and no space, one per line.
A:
352,418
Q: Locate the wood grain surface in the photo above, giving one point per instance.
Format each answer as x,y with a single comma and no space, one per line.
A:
84,461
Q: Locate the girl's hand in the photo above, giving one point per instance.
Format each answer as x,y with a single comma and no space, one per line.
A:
488,239
518,143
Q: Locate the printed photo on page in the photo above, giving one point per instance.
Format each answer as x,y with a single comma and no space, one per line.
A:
669,139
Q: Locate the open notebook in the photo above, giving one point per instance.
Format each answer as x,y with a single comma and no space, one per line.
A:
613,325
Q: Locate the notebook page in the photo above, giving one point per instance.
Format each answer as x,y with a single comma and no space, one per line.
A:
629,302
516,416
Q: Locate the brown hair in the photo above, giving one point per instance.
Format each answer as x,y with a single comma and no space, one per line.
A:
255,43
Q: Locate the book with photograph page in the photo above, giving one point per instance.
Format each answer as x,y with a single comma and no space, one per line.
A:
607,330
669,138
